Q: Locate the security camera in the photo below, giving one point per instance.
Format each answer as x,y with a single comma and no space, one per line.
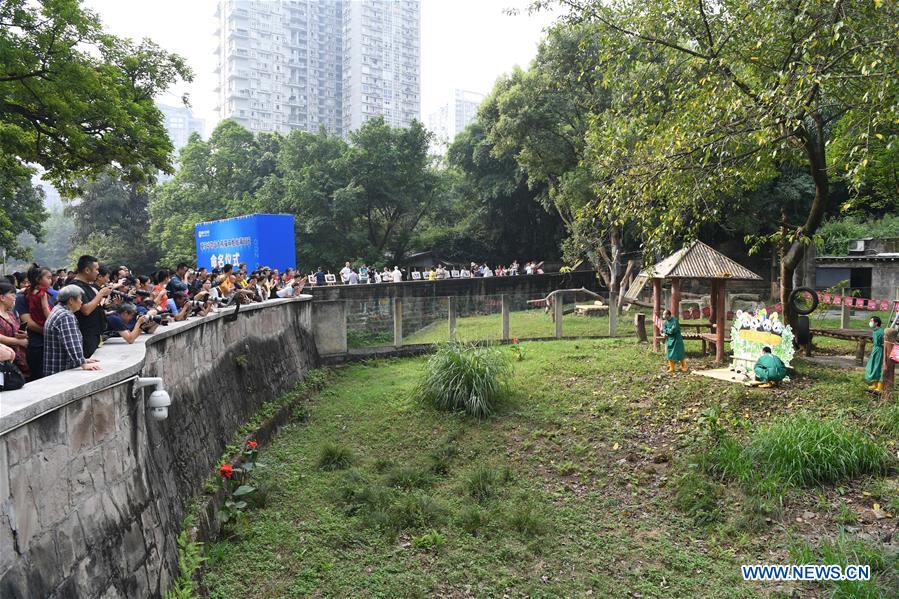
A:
159,400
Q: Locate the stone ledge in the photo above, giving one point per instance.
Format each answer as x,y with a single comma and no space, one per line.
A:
120,361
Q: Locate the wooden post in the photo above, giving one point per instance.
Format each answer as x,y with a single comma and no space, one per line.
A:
844,311
640,327
504,306
720,313
713,303
656,312
451,309
860,351
557,314
397,321
889,367
613,313
675,298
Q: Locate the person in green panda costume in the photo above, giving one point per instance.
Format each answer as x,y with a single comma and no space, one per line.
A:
874,368
769,369
674,342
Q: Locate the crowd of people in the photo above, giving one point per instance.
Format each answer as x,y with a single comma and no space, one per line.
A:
350,275
52,321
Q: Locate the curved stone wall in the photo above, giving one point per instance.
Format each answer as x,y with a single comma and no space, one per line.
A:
93,490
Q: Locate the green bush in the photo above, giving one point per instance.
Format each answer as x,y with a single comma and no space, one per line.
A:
483,483
430,540
844,550
439,459
472,519
526,520
407,477
465,377
416,511
804,450
334,457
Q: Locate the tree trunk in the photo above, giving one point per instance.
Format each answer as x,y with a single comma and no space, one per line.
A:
813,144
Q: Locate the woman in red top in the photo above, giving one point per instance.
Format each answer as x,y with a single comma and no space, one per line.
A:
38,302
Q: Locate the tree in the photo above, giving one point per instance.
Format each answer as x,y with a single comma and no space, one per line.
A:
713,97
541,117
392,184
496,215
21,211
77,100
216,179
111,223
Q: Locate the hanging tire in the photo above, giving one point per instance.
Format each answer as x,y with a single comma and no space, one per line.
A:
803,309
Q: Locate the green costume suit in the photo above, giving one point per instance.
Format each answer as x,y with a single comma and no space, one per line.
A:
674,343
874,369
770,368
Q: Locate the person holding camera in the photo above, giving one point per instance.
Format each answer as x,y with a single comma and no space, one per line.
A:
90,316
63,344
179,306
126,322
294,289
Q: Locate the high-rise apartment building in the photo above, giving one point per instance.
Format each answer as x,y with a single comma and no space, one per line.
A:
382,62
180,122
280,64
303,64
451,119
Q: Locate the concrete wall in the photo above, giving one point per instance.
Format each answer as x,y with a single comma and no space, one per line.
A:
93,491
520,285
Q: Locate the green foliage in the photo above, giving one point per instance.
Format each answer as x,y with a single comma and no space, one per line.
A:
805,450
483,483
698,497
526,519
77,100
416,511
837,233
431,540
464,377
190,559
473,519
843,550
439,459
111,224
407,478
334,457
21,206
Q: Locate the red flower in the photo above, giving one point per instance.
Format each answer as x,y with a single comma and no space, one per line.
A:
514,339
226,470
251,444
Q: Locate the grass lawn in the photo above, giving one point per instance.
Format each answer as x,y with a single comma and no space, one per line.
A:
572,489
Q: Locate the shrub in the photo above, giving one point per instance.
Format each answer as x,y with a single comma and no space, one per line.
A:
482,483
334,457
473,519
844,550
407,477
439,459
465,377
804,450
430,540
526,520
416,511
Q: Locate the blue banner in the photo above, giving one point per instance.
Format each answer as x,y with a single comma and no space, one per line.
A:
256,239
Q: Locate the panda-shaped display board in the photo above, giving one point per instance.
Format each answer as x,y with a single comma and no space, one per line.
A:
751,332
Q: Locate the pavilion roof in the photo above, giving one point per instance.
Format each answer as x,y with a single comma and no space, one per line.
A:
699,261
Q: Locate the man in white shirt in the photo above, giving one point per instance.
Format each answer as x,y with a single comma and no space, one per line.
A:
396,276
487,271
345,272
352,278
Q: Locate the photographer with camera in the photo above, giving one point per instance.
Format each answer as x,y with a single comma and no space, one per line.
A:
179,306
293,289
126,322
177,283
90,316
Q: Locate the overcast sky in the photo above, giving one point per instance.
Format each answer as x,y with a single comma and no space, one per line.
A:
465,44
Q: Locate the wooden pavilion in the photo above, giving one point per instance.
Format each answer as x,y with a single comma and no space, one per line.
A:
696,261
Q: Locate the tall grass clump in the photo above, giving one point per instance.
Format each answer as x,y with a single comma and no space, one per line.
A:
804,450
465,377
334,457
